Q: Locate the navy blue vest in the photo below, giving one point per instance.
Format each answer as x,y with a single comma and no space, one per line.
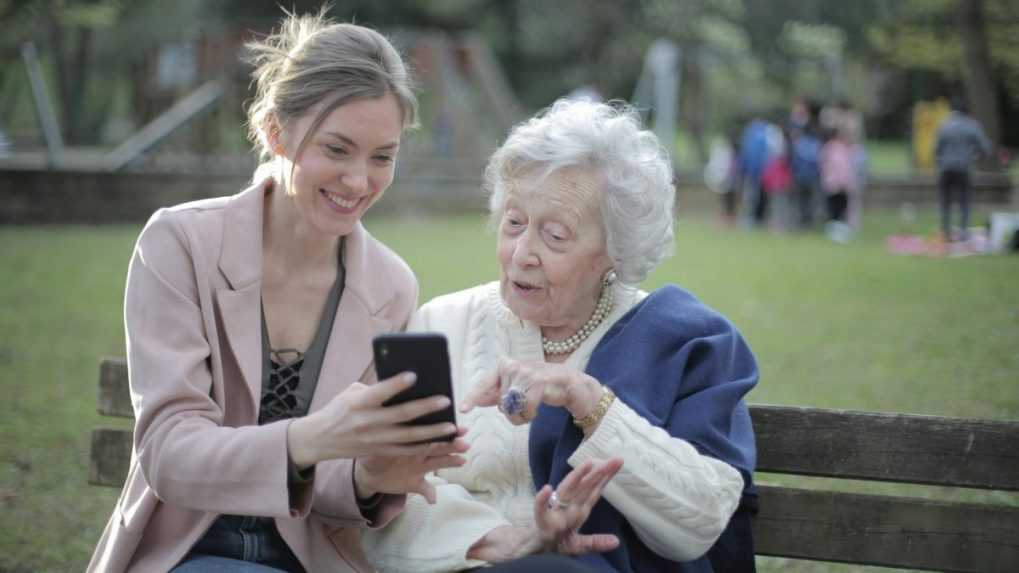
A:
685,368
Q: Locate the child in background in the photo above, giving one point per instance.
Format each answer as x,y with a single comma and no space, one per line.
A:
776,181
838,181
806,168
723,174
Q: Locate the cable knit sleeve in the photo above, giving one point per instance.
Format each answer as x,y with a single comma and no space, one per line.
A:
431,538
676,499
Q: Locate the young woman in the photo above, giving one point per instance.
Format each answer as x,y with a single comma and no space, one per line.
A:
261,442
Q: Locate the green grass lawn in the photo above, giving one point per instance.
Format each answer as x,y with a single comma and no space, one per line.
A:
844,326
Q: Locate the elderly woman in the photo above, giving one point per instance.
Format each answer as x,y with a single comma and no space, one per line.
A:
584,367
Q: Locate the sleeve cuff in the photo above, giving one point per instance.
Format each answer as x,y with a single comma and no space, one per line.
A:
297,476
604,442
300,484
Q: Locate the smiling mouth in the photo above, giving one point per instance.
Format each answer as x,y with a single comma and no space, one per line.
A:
340,201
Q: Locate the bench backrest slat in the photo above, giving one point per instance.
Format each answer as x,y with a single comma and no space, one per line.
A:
900,532
114,392
817,442
799,523
887,447
110,457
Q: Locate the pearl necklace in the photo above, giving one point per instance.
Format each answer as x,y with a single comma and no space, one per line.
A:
601,310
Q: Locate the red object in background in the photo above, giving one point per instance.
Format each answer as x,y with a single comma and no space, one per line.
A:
777,176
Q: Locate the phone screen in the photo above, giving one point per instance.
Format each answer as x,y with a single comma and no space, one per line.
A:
425,354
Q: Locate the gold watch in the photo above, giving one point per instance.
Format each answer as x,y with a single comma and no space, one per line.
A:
607,397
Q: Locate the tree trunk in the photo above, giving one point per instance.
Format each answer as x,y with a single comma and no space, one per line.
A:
60,66
77,82
509,12
8,97
72,72
976,68
693,103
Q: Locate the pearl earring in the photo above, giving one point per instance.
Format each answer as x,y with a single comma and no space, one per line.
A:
610,277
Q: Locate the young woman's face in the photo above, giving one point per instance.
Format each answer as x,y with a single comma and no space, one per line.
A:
551,249
347,164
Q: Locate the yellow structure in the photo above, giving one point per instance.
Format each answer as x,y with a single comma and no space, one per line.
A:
927,117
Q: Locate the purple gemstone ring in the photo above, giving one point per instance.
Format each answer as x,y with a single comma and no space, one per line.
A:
513,402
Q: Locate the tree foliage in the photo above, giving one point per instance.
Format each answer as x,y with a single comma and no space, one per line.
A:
738,54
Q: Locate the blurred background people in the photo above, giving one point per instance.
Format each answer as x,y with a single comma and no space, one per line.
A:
806,170
960,142
839,182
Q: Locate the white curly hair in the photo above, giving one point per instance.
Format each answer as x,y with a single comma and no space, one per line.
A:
638,195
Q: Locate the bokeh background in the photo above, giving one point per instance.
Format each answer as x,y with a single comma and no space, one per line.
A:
110,109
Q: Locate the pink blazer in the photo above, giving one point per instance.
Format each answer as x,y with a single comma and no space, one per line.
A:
194,358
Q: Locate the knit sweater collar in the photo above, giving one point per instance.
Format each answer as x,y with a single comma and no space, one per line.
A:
525,337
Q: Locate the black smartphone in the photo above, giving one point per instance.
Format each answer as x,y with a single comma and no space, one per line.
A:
425,354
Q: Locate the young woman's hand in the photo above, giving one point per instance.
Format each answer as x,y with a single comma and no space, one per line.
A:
354,424
406,474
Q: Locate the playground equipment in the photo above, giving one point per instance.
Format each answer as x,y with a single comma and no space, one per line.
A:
657,90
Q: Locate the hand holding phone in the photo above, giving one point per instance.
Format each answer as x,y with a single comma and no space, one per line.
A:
426,355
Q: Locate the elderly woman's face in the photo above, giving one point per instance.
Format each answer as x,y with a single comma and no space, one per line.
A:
552,249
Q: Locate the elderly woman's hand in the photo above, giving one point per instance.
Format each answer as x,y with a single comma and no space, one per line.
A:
556,521
535,382
559,514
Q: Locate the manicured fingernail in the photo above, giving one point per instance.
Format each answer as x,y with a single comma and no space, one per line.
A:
410,377
449,429
442,401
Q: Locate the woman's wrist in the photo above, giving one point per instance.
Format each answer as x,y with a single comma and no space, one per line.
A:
506,542
586,398
299,442
590,417
363,488
533,544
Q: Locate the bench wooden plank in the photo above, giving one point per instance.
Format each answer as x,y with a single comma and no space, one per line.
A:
110,457
114,393
887,447
810,524
883,530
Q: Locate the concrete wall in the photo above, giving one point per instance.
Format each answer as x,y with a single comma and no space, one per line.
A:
34,196
31,196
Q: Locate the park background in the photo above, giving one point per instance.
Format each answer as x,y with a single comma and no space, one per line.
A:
833,325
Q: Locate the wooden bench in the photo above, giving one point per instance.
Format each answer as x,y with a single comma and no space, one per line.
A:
808,522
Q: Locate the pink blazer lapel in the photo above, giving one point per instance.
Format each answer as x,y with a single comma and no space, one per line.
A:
358,319
359,316
239,305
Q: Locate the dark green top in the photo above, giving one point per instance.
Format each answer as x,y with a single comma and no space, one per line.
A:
289,377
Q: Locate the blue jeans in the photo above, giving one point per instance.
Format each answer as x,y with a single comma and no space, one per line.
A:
198,563
241,543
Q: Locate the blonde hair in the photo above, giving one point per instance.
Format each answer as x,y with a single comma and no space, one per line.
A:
311,61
